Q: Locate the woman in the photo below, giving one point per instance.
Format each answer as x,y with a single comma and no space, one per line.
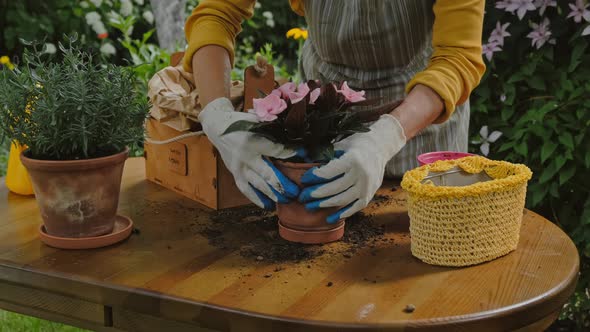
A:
424,51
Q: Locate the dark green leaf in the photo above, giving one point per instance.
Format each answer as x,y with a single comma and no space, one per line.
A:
548,148
567,174
567,140
241,125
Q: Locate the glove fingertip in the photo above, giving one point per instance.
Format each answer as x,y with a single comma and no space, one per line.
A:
310,178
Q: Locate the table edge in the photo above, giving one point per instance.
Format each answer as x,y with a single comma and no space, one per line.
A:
557,295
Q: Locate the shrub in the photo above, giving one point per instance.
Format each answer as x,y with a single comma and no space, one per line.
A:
535,93
72,108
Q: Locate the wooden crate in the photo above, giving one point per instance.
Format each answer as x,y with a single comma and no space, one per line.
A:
191,167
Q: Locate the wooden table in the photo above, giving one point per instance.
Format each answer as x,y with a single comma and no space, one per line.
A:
166,279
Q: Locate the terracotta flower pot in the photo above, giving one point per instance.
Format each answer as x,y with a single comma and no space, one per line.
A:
296,224
77,198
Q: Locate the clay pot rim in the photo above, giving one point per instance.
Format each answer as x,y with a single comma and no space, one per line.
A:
70,165
290,164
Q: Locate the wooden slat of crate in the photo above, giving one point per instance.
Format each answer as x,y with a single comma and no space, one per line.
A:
190,167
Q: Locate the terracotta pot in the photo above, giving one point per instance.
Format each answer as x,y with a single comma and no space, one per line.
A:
77,198
297,224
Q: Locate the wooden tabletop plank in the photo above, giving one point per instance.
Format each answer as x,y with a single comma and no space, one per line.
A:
172,272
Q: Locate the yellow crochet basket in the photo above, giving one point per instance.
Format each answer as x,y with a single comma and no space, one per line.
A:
472,220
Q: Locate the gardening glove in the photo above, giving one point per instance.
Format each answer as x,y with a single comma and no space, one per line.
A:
351,179
244,155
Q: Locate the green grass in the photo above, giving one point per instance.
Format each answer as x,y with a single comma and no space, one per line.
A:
12,322
4,149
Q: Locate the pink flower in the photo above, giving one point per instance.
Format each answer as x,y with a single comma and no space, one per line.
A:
351,95
267,108
489,49
499,33
543,4
520,7
287,88
313,96
302,91
579,11
540,34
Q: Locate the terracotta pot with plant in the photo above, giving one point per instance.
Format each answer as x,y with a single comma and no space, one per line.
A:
77,119
314,117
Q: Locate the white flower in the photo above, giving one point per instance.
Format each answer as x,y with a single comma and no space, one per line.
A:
84,4
499,33
586,31
92,17
486,139
96,3
139,2
579,11
129,31
540,34
126,7
148,16
257,5
99,28
543,4
502,97
49,48
267,15
109,3
270,23
108,49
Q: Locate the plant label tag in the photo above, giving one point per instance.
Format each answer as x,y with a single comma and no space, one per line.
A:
255,81
177,158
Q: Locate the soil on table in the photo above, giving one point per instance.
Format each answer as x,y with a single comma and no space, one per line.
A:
254,233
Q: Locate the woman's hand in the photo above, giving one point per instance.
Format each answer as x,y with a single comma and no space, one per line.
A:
351,180
244,155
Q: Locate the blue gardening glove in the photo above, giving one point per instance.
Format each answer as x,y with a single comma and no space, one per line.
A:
244,155
351,180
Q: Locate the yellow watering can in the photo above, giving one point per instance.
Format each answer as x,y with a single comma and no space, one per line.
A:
17,177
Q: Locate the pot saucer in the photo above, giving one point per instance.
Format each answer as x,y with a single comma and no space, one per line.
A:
121,231
311,237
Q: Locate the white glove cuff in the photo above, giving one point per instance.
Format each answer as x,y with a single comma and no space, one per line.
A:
218,105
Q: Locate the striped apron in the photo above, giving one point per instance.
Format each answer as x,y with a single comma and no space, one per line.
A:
378,46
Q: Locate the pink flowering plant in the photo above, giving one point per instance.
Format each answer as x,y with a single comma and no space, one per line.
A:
533,107
311,116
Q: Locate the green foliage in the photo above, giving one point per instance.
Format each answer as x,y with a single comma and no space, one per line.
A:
540,104
146,58
72,108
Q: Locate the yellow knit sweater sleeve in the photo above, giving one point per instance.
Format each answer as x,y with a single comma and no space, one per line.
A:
456,65
215,22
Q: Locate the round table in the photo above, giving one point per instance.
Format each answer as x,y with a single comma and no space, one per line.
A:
169,277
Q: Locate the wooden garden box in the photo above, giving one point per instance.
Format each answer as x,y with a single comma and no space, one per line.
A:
191,167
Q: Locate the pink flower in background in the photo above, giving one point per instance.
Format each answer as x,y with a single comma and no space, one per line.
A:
579,11
267,108
489,49
499,33
540,34
504,5
351,95
543,4
520,7
313,96
297,96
